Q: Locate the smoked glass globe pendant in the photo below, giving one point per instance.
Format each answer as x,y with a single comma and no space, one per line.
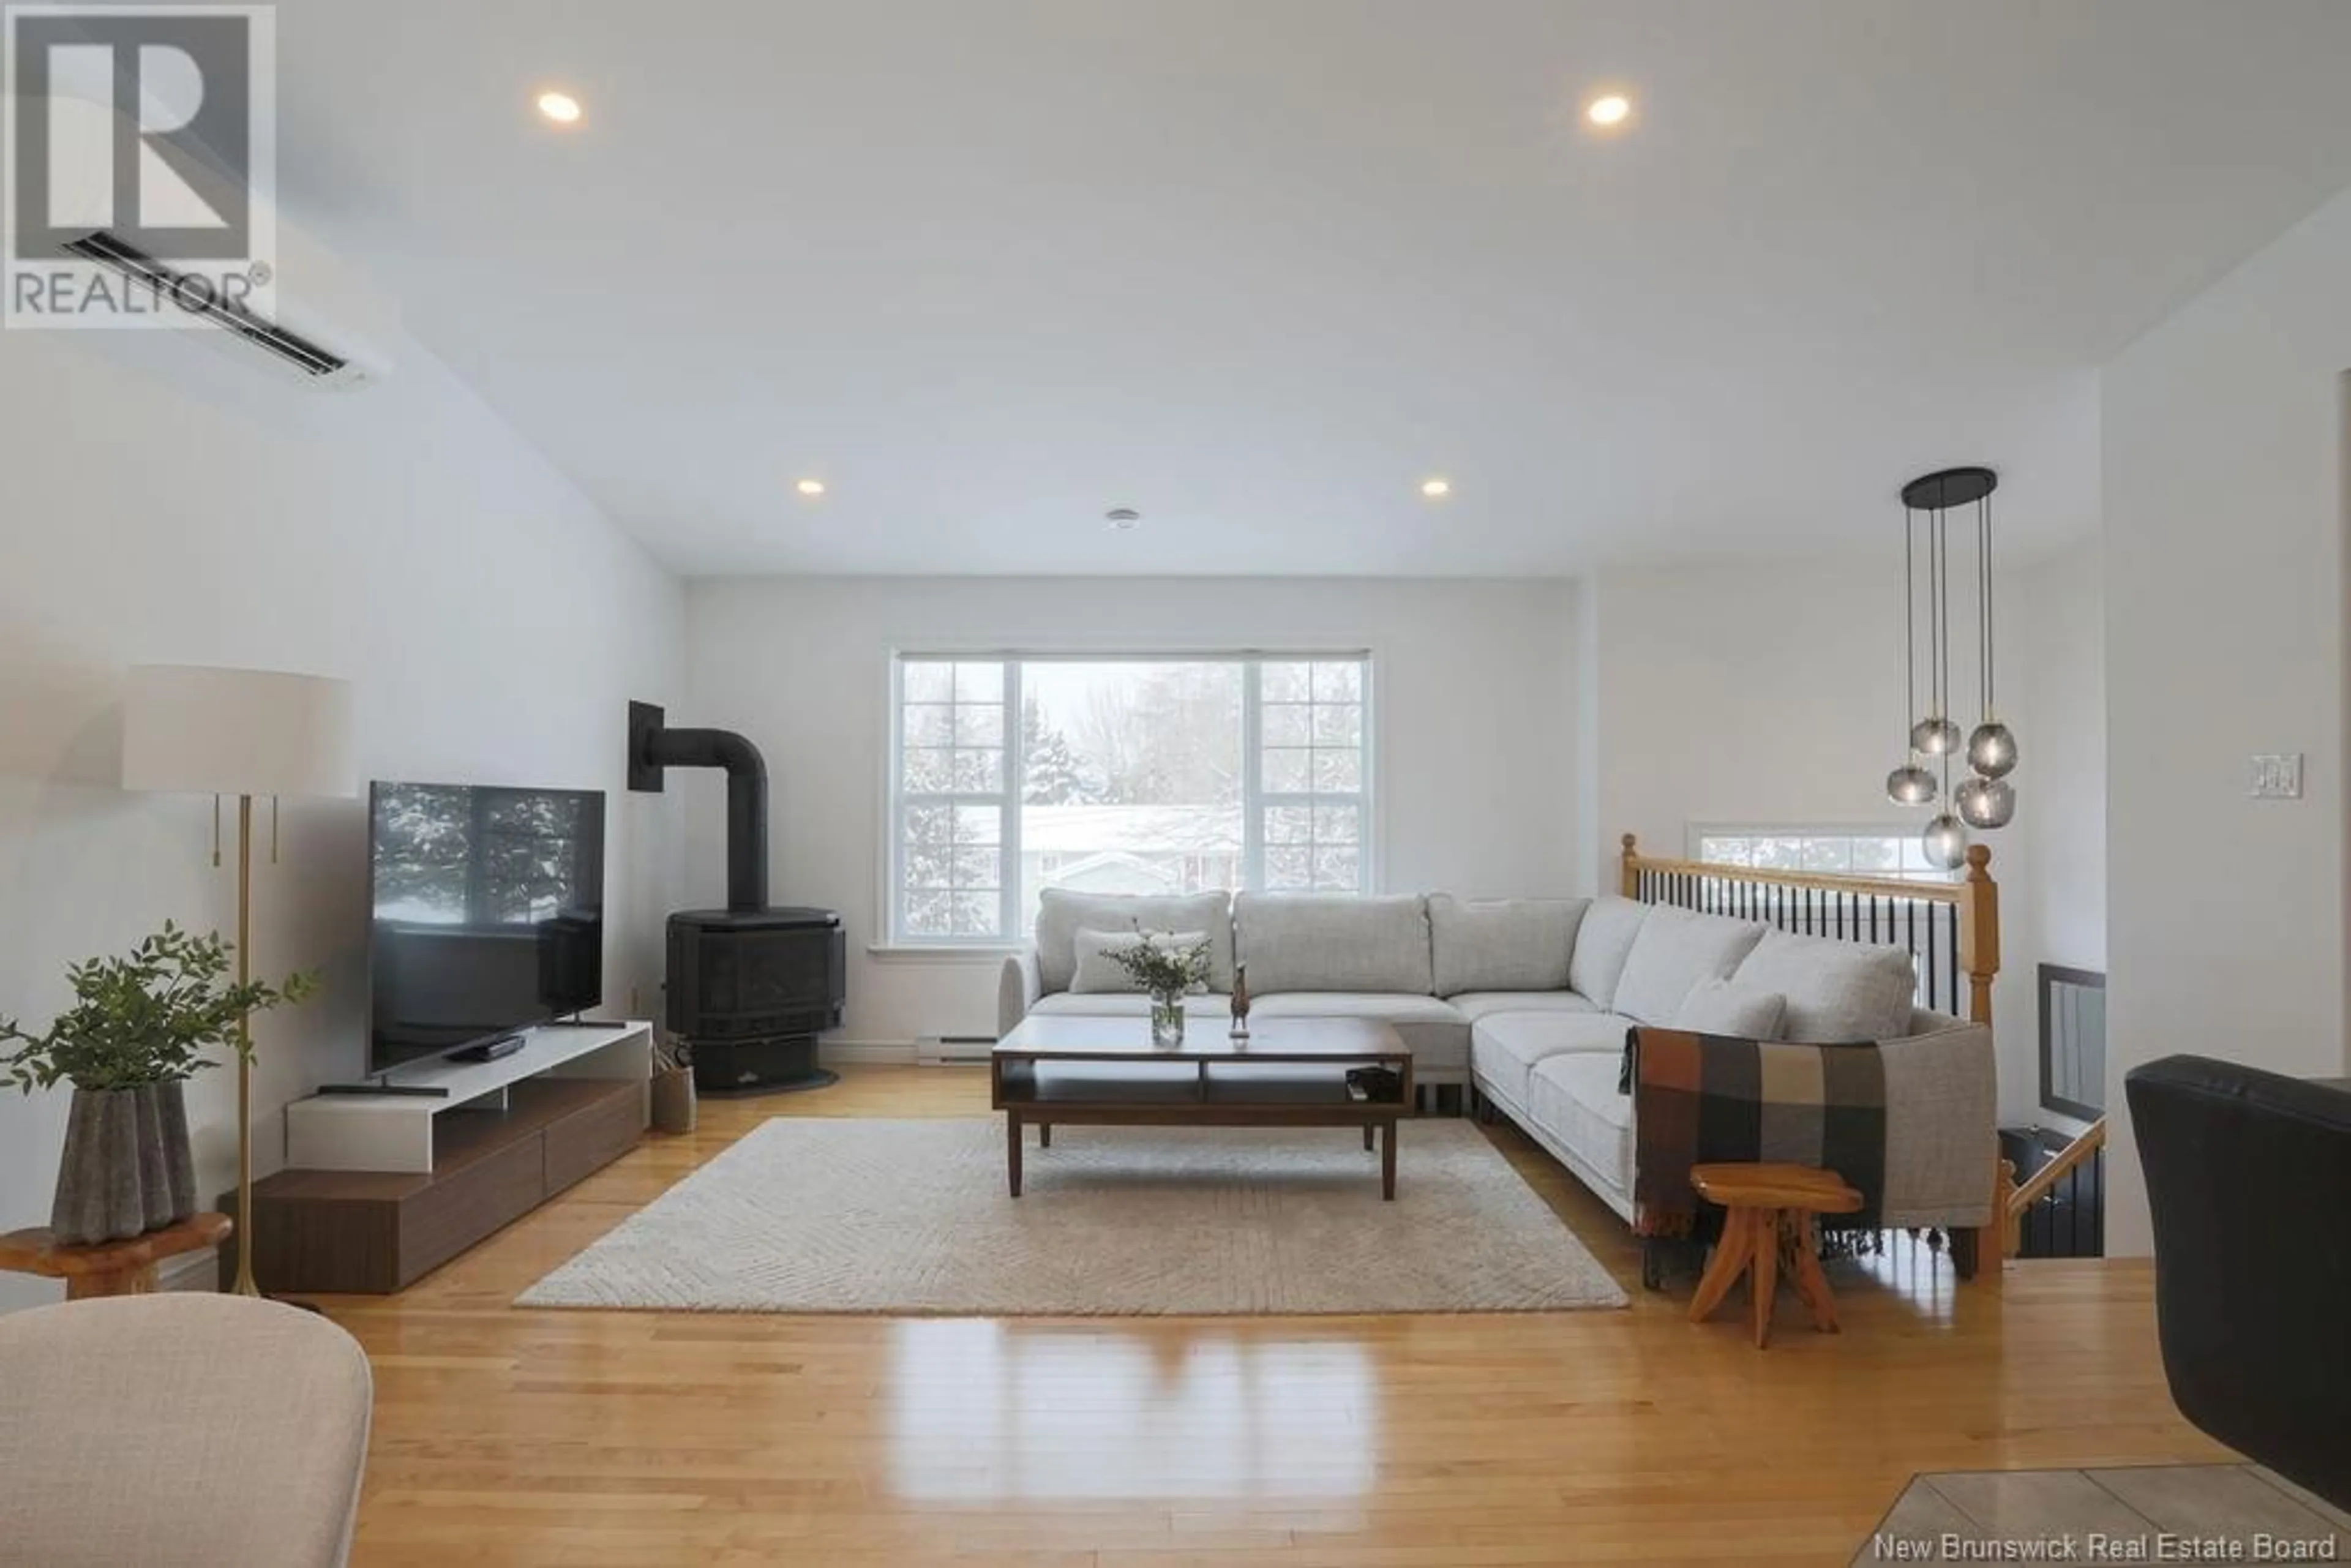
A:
1934,738
1991,750
1946,841
1985,802
1910,784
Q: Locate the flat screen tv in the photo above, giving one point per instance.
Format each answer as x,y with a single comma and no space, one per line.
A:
487,914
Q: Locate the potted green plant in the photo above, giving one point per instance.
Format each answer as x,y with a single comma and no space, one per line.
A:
137,1032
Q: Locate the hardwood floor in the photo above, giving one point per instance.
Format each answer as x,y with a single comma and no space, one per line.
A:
629,1439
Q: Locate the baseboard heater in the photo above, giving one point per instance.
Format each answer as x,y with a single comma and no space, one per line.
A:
955,1050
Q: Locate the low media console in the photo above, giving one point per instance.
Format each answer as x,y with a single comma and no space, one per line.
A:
382,1189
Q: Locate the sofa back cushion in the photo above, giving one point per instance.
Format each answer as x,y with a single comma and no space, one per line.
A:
1100,974
1603,939
1839,993
1675,950
1062,915
1501,945
1321,942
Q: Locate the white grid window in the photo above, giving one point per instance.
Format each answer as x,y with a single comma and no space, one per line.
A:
1121,774
953,767
1834,852
1310,772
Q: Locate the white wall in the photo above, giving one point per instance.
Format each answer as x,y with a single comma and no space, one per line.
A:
1758,693
1771,693
167,503
2224,453
1475,728
2060,644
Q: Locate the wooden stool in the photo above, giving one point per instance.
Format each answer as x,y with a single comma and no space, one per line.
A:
108,1267
1772,1210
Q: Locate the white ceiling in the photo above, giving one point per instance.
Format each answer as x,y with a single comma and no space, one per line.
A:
1257,266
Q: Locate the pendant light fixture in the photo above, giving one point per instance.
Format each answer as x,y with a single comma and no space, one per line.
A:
1984,799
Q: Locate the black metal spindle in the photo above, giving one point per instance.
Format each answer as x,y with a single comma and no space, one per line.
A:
1951,933
1910,937
1932,969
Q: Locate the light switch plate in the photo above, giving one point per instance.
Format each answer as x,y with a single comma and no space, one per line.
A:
2276,775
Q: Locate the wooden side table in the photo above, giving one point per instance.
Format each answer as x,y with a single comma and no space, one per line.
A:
110,1268
1773,1214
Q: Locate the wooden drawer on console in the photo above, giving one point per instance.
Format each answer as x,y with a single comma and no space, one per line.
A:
455,1210
592,1137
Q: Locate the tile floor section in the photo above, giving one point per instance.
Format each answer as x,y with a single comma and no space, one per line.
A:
2147,1513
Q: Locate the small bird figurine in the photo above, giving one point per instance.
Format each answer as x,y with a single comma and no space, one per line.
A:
1241,1001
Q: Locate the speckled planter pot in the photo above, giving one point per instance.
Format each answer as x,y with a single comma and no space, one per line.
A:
128,1167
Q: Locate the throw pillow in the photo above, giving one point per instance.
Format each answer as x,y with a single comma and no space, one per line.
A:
1839,993
1725,1007
1100,974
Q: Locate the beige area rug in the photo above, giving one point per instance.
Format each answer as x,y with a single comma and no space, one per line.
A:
819,1215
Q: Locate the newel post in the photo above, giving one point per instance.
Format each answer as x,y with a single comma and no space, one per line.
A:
1629,883
1980,933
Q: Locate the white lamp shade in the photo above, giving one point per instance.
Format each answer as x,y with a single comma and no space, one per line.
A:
194,730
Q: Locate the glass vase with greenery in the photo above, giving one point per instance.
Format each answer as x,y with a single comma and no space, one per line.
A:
1167,966
139,1028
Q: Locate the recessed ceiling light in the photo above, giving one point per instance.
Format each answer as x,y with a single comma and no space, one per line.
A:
1436,489
1122,520
559,106
1609,109
810,487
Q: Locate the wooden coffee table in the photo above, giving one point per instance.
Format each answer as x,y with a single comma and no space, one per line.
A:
1106,1072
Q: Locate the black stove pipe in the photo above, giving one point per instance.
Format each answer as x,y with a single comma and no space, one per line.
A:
654,747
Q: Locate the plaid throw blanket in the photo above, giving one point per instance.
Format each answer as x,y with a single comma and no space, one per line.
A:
1700,1098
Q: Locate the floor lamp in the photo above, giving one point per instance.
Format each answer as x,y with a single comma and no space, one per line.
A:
194,730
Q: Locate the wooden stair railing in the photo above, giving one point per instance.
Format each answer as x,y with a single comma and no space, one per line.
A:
1961,953
2019,1202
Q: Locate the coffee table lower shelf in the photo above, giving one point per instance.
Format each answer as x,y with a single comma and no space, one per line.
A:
1263,1088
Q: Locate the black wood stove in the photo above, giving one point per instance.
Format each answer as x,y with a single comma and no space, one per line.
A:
751,986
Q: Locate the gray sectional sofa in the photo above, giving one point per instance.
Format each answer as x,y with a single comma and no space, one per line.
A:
1528,1001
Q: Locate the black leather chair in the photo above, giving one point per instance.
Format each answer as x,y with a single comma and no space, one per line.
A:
2248,1179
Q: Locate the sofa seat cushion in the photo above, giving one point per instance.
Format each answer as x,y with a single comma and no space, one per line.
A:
1505,1047
1838,993
1676,949
1572,1098
1603,938
1503,944
1437,1036
1062,914
1197,1006
1476,1005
